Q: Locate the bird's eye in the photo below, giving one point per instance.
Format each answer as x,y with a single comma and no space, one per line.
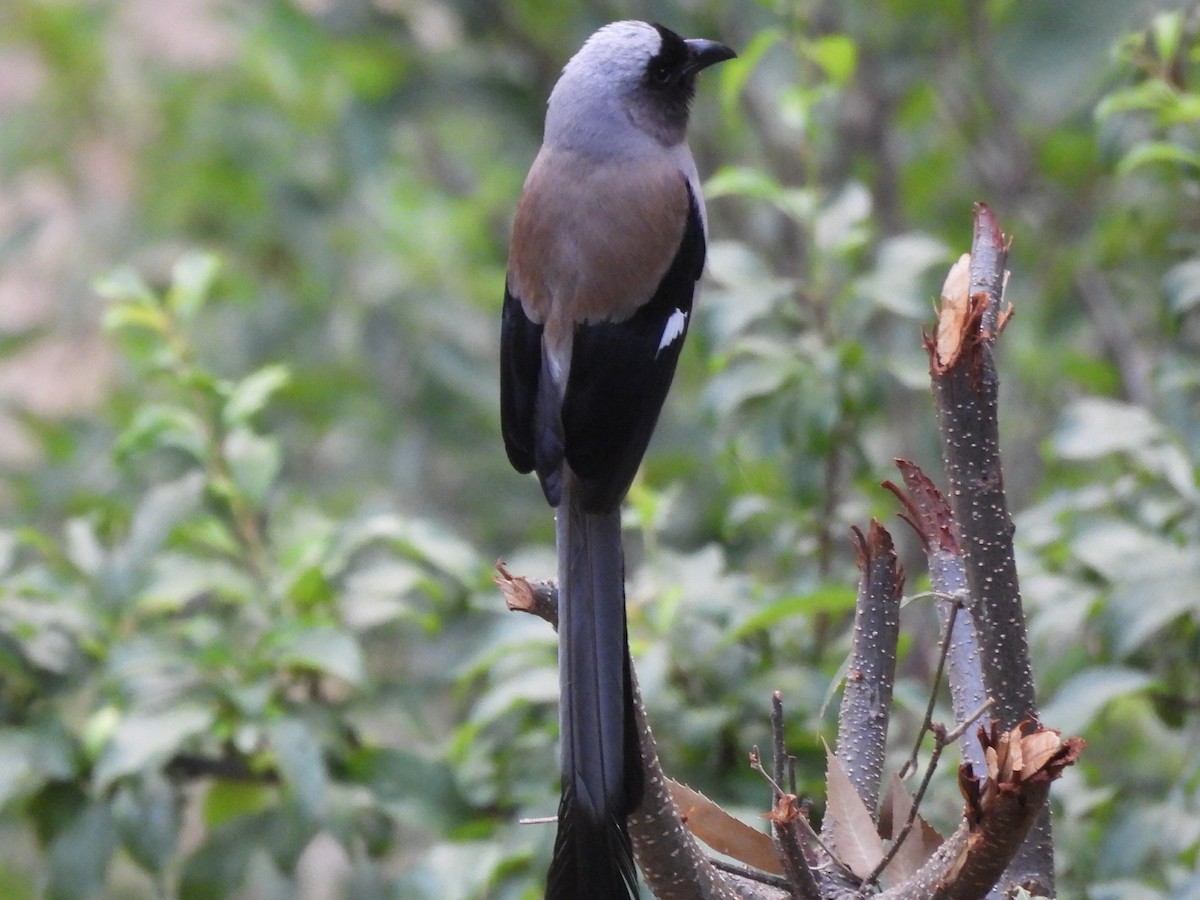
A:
660,73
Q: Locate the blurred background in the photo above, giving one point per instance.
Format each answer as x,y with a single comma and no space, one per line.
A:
251,264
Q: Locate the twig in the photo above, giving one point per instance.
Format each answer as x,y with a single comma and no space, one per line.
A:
751,874
789,845
910,764
756,764
941,740
779,755
805,825
960,729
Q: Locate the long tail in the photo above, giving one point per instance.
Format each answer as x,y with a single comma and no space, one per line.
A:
601,763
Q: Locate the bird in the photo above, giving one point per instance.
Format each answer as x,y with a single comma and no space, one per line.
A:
608,244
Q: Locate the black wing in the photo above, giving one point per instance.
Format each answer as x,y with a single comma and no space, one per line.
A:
620,375
520,365
529,422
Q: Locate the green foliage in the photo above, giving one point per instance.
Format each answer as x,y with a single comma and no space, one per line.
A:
212,635
247,637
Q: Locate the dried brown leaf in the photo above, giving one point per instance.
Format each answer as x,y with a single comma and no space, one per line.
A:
955,310
517,591
522,594
1039,749
921,842
787,809
851,829
1009,751
721,831
972,792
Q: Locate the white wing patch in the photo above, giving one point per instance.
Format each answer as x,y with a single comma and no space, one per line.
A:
673,330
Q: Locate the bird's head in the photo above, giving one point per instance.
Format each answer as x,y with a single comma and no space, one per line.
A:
629,74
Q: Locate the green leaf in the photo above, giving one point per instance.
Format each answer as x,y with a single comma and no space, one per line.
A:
1077,702
251,395
748,379
836,54
735,73
417,788
841,224
327,650
159,426
218,868
897,282
177,579
301,765
147,816
134,317
1141,611
83,547
742,181
209,535
1166,28
143,740
832,598
1156,152
534,686
1182,286
18,775
376,594
254,461
1095,427
125,286
1146,96
228,800
32,755
192,278
55,808
162,508
79,856
428,541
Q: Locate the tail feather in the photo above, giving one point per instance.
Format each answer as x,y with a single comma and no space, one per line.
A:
601,765
592,860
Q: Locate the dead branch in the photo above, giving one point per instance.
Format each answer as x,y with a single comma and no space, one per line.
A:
927,511
867,702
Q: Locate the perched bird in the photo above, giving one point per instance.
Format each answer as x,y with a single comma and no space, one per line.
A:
608,243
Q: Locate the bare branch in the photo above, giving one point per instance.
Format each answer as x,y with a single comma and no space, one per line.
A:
751,874
966,389
927,511
867,702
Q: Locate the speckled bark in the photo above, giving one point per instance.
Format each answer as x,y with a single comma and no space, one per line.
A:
866,706
674,865
930,516
966,392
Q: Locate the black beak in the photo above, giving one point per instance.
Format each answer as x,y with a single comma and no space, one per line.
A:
703,53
